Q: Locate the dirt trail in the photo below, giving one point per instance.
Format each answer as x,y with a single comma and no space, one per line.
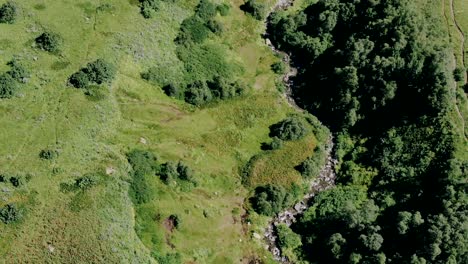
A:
465,77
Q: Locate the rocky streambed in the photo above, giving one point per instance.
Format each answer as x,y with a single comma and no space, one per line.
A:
326,178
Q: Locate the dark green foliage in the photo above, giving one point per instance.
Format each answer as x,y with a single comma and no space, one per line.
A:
193,30
148,8
255,8
198,93
206,10
223,9
311,166
215,26
49,154
49,41
175,220
8,13
8,86
79,80
144,164
172,258
173,90
269,200
278,67
87,181
17,71
459,74
97,72
17,181
291,128
275,143
10,213
223,89
171,171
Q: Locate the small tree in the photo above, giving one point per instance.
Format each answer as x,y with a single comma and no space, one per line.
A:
79,80
49,41
10,213
458,74
17,71
291,128
168,172
254,8
8,13
8,86
100,71
278,67
148,8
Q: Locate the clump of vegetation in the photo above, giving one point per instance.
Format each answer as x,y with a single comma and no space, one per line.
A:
10,213
49,154
170,258
278,67
95,93
17,180
175,219
87,181
49,41
8,86
255,9
148,8
459,74
276,143
291,128
144,163
8,13
171,171
223,9
288,241
269,200
96,72
18,71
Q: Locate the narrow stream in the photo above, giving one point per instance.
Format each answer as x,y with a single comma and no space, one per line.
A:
326,178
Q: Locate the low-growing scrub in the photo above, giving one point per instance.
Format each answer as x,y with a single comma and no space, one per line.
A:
8,86
10,213
144,163
49,154
256,9
8,13
269,200
291,128
18,71
96,72
148,8
49,41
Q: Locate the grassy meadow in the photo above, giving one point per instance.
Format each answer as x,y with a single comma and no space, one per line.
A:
101,225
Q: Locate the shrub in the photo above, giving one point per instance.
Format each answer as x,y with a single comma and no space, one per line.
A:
269,200
87,181
174,91
278,67
215,26
276,143
169,172
206,10
192,30
288,241
291,128
148,8
17,181
223,9
100,71
49,41
184,172
198,93
48,154
176,220
459,74
143,162
97,72
8,13
8,86
17,71
95,93
254,8
10,213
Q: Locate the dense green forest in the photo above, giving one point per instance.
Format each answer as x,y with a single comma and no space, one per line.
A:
378,74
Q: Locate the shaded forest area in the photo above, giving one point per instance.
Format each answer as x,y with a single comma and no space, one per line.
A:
377,73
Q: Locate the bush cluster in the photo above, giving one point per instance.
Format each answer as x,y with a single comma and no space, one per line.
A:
144,163
49,154
197,28
269,199
8,13
18,71
87,181
171,171
202,92
10,213
96,72
17,180
459,74
9,81
148,8
255,9
291,128
49,41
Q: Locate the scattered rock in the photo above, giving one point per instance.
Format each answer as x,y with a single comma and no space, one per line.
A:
143,141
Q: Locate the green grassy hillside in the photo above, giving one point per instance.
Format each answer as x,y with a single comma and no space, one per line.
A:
92,134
